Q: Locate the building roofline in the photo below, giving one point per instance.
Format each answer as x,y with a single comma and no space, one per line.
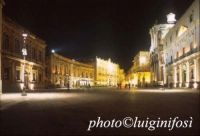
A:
71,60
18,26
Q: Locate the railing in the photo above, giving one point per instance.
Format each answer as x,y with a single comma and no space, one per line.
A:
186,54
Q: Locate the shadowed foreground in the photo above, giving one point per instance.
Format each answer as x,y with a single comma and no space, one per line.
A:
69,113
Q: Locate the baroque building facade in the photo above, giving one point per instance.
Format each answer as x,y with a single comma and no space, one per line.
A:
157,33
64,72
139,74
108,73
181,50
13,69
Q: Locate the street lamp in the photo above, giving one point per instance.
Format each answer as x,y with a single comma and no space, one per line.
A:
24,53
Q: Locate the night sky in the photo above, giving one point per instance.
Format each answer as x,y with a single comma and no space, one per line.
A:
83,29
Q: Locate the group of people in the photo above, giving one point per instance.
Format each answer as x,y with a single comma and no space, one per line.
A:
119,85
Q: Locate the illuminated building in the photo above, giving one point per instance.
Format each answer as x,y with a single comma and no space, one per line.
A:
139,74
181,50
12,58
1,6
158,32
107,73
64,72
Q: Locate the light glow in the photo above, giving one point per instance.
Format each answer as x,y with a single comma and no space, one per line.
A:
175,85
171,18
187,85
24,35
182,29
31,86
142,60
195,85
21,86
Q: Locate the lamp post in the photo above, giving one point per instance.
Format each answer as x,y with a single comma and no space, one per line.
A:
24,53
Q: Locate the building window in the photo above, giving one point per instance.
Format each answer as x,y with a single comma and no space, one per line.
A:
5,41
34,77
17,74
171,59
177,76
191,18
33,53
29,50
82,74
40,77
17,46
40,56
192,74
6,73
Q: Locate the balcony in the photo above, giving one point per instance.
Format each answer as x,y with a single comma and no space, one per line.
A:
186,54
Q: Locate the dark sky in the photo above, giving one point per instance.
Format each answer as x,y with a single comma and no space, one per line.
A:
83,29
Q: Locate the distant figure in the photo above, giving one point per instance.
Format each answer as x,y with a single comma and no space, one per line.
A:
129,86
68,86
89,86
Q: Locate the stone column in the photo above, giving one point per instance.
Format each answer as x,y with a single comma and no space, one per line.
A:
198,70
164,74
187,74
1,6
196,73
175,76
71,76
180,76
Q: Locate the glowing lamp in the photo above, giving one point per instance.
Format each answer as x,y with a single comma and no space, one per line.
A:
195,85
171,18
24,52
24,35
